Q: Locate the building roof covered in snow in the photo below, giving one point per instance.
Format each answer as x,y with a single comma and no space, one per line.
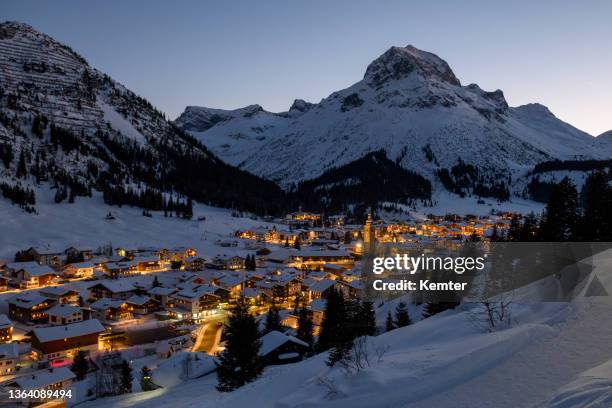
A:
57,291
106,303
46,334
275,339
44,378
162,291
63,310
318,305
322,285
9,350
138,300
27,300
5,321
116,286
31,268
196,292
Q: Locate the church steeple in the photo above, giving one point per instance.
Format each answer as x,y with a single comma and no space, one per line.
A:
368,231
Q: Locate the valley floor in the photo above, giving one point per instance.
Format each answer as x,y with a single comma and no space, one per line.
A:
547,358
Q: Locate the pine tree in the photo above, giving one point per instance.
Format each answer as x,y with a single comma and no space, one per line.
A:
146,384
188,213
240,362
529,228
336,333
514,231
596,196
6,152
22,170
348,237
156,283
296,243
389,325
80,301
273,320
366,319
80,365
401,315
305,326
125,382
250,264
561,214
334,321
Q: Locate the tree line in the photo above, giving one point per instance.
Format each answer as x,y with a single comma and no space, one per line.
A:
569,215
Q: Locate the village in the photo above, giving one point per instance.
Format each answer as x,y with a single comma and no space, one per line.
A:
114,303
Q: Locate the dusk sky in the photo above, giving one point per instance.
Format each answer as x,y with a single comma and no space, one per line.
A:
228,54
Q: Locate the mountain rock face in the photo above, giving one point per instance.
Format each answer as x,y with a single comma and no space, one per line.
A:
66,124
411,106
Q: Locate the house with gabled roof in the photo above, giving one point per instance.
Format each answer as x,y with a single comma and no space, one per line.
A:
30,274
194,302
62,294
60,378
161,294
121,269
62,314
322,288
142,305
45,255
57,342
30,307
113,289
79,270
280,348
111,310
9,358
6,329
234,283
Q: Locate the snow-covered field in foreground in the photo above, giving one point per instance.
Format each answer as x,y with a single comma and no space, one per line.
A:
439,362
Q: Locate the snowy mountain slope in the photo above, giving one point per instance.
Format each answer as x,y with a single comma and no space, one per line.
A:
410,104
590,389
65,123
604,141
439,362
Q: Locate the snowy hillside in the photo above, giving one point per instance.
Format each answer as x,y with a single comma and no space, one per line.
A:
439,362
84,223
604,141
411,105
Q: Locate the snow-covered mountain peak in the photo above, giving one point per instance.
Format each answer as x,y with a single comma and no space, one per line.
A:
23,33
411,106
201,118
300,105
397,63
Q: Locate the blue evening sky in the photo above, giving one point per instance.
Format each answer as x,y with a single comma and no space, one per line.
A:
229,54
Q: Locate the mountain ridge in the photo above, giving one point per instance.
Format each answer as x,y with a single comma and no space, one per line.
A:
411,105
68,125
